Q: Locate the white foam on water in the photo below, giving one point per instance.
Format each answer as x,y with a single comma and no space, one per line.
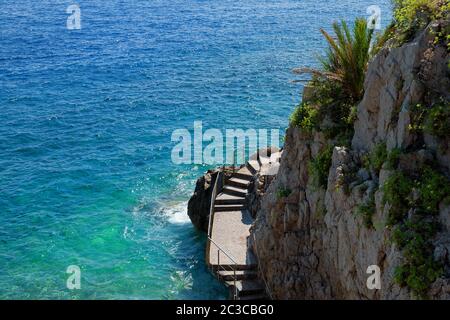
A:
177,213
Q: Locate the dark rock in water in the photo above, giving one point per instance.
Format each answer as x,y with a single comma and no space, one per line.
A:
200,202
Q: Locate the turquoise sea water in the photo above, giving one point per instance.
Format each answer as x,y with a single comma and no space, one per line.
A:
86,119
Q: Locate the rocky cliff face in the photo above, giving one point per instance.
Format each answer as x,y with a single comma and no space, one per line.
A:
313,244
200,202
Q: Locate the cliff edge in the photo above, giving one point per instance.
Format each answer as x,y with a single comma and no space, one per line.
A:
381,199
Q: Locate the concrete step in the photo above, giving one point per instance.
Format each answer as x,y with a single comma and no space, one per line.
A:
237,182
253,166
227,266
240,275
247,287
244,175
228,207
234,191
223,198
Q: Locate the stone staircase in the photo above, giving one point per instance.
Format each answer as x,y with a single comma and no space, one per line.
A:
230,229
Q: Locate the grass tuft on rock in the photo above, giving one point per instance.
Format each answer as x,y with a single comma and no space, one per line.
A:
305,117
411,16
418,269
414,205
283,192
375,159
319,167
366,210
434,120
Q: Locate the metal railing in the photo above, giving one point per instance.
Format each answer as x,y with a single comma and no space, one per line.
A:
260,269
213,200
231,265
226,267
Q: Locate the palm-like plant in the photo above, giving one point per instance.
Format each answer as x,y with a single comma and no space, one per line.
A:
347,57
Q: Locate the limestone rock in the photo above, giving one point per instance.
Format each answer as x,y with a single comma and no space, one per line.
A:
200,202
313,244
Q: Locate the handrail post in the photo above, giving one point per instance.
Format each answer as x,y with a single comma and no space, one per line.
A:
211,214
233,265
234,159
210,240
235,288
260,269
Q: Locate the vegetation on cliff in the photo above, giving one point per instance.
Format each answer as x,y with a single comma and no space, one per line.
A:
347,57
337,88
339,85
411,16
413,196
414,205
433,120
320,166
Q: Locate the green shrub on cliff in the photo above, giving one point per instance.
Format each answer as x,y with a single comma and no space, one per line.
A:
418,269
396,191
433,187
305,116
434,120
411,16
283,192
325,92
328,110
319,167
423,193
375,159
347,56
339,85
414,205
393,158
437,122
366,210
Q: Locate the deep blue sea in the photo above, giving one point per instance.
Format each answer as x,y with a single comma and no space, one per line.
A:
86,176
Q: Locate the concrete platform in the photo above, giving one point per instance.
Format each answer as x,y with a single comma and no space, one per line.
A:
230,230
